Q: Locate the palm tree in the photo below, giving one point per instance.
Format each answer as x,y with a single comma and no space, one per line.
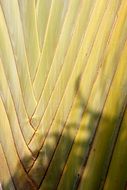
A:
63,94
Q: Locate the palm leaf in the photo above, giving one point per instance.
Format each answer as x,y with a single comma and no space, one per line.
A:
63,94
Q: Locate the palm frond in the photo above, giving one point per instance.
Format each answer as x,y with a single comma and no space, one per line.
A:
63,94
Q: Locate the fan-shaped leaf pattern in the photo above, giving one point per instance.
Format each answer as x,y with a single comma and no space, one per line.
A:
63,94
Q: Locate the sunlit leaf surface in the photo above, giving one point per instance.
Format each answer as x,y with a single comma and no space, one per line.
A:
63,94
